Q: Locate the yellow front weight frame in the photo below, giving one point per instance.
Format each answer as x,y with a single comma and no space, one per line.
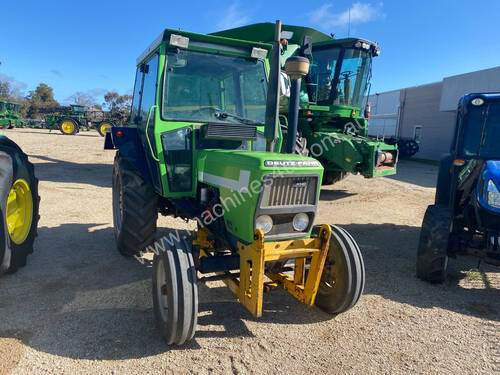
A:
249,288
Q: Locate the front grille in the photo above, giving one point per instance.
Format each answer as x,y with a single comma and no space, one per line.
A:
289,191
230,131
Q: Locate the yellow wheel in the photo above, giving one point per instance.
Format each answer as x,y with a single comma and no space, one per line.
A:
101,129
68,127
19,211
19,208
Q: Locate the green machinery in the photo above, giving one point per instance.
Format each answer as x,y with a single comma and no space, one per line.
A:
69,120
9,115
332,125
203,144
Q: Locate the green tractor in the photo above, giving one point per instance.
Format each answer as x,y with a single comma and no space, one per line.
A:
204,144
332,125
69,120
9,115
19,202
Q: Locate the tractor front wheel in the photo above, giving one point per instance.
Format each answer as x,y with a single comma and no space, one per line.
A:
134,209
175,293
68,126
343,278
432,253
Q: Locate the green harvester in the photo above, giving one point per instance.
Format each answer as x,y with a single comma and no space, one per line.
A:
332,123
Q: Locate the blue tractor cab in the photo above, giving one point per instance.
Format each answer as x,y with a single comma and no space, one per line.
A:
465,219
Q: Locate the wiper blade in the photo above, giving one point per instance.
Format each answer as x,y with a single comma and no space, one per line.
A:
247,121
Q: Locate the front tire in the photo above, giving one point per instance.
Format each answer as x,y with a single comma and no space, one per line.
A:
343,278
432,253
175,293
134,209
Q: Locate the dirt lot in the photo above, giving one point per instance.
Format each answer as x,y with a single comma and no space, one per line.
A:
79,307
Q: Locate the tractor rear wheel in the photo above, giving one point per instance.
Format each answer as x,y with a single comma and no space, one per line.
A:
175,293
20,210
68,126
432,253
101,128
343,278
134,209
332,177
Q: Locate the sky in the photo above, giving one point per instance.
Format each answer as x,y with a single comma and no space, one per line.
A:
92,46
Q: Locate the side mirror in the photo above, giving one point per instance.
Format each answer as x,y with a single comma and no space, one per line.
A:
284,85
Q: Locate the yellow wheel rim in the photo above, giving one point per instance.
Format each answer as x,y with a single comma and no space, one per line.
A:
19,211
103,127
68,127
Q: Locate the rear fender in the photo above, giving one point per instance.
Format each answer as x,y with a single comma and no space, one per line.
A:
127,141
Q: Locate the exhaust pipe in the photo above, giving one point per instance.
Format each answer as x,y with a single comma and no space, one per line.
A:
296,67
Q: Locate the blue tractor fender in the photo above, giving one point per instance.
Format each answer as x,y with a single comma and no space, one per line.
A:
127,141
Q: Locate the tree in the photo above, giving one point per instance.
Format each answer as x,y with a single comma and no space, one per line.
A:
115,102
82,98
43,95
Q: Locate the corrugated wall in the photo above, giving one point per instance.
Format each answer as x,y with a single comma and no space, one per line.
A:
421,108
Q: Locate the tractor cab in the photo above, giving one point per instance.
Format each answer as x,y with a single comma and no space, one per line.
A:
13,110
3,108
77,108
467,207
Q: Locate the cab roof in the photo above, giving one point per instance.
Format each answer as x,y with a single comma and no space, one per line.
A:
208,41
264,32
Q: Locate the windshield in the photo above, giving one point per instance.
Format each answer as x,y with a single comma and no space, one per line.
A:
349,80
2,107
482,130
206,87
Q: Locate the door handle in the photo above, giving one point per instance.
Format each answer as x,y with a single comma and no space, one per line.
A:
155,157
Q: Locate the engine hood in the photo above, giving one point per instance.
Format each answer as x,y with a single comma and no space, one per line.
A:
492,171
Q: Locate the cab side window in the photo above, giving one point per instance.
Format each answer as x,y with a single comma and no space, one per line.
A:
148,94
134,113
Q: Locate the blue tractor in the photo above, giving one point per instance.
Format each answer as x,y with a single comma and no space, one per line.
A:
465,219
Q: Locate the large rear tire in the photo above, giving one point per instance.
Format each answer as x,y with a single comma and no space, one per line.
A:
134,209
343,278
21,208
68,126
175,293
432,253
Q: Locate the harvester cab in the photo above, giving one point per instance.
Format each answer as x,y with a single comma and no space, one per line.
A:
200,146
465,219
333,125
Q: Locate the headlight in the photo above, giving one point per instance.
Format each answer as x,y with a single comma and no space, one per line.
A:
300,222
264,222
493,198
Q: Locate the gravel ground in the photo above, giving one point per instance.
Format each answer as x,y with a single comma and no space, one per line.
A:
79,307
